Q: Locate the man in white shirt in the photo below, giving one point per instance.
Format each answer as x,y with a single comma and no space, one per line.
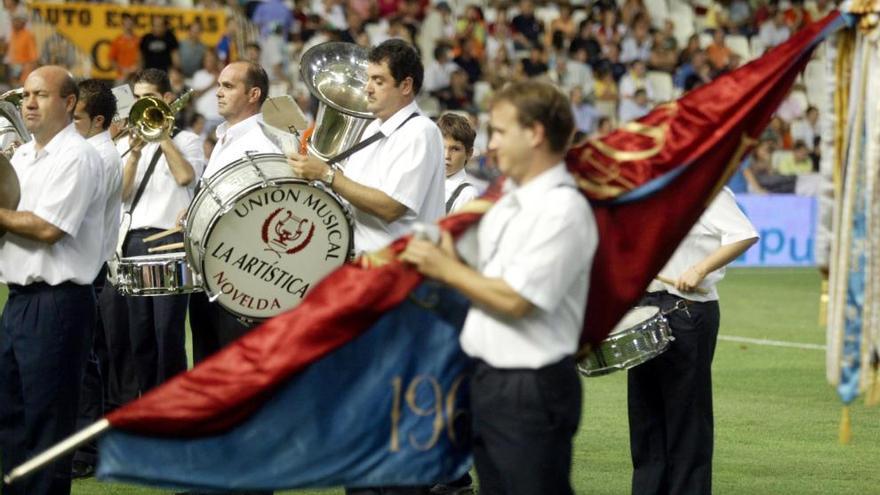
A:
49,256
156,325
458,141
241,90
94,113
395,181
398,179
670,396
528,291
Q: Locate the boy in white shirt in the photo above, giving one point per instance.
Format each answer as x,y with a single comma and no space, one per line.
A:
458,145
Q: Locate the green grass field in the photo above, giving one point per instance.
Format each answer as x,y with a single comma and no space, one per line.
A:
776,418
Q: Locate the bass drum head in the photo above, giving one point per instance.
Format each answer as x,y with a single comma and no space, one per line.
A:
275,243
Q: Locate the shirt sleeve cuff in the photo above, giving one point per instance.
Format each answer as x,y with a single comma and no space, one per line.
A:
519,282
56,220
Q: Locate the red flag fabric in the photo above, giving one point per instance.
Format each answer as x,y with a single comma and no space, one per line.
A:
649,181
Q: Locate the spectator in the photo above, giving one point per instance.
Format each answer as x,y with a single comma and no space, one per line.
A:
192,50
587,42
603,127
204,83
459,95
568,74
273,56
562,27
636,107
501,69
637,44
439,71
612,63
762,177
740,18
664,50
775,31
697,68
535,65
468,61
778,131
473,27
634,80
806,129
605,92
500,40
159,47
125,54
355,32
796,16
692,47
631,11
227,47
22,55
586,116
272,13
610,32
798,162
527,28
718,52
57,50
253,53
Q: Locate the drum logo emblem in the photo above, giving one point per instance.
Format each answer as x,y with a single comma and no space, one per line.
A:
283,232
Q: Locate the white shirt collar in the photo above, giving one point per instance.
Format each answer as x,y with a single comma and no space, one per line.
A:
100,138
393,122
230,133
534,192
55,145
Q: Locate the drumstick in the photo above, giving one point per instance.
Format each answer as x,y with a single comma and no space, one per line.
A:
164,233
166,247
669,281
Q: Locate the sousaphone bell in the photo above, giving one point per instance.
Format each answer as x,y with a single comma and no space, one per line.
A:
336,74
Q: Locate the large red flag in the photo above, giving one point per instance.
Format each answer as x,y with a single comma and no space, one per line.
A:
649,182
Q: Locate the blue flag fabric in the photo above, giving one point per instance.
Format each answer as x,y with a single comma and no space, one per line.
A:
388,408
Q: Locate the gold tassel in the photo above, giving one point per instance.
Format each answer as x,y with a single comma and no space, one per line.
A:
872,393
845,426
823,303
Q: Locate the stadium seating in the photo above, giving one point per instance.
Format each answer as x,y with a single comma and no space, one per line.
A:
661,85
739,45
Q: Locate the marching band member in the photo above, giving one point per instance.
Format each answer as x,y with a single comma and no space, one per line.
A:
458,142
398,179
94,113
671,424
158,181
49,257
528,291
242,87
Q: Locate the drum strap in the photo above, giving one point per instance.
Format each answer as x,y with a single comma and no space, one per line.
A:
366,142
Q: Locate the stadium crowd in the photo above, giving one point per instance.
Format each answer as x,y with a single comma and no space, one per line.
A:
615,60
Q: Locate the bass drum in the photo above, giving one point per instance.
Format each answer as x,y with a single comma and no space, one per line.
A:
259,238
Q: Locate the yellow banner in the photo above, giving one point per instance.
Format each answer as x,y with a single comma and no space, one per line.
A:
93,26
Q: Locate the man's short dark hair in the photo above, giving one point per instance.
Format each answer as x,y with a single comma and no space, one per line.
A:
68,87
458,128
97,100
255,77
402,59
156,77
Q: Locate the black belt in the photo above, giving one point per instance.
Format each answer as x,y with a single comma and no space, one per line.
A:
41,286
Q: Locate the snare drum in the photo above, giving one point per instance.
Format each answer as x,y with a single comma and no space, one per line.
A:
642,334
259,238
155,275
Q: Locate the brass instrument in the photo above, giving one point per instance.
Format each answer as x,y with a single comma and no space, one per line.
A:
10,109
10,194
336,74
151,119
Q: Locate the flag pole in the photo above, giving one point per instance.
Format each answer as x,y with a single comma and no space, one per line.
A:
58,450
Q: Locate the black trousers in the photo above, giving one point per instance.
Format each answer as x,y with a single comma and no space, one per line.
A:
92,397
44,341
524,421
154,326
670,405
213,328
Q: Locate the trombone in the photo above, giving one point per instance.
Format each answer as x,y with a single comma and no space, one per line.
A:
152,120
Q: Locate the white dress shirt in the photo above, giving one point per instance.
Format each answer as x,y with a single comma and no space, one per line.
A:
721,224
407,165
467,194
540,239
59,185
234,141
163,198
111,189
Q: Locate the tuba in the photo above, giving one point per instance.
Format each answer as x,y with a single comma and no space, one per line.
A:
336,74
13,133
151,119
